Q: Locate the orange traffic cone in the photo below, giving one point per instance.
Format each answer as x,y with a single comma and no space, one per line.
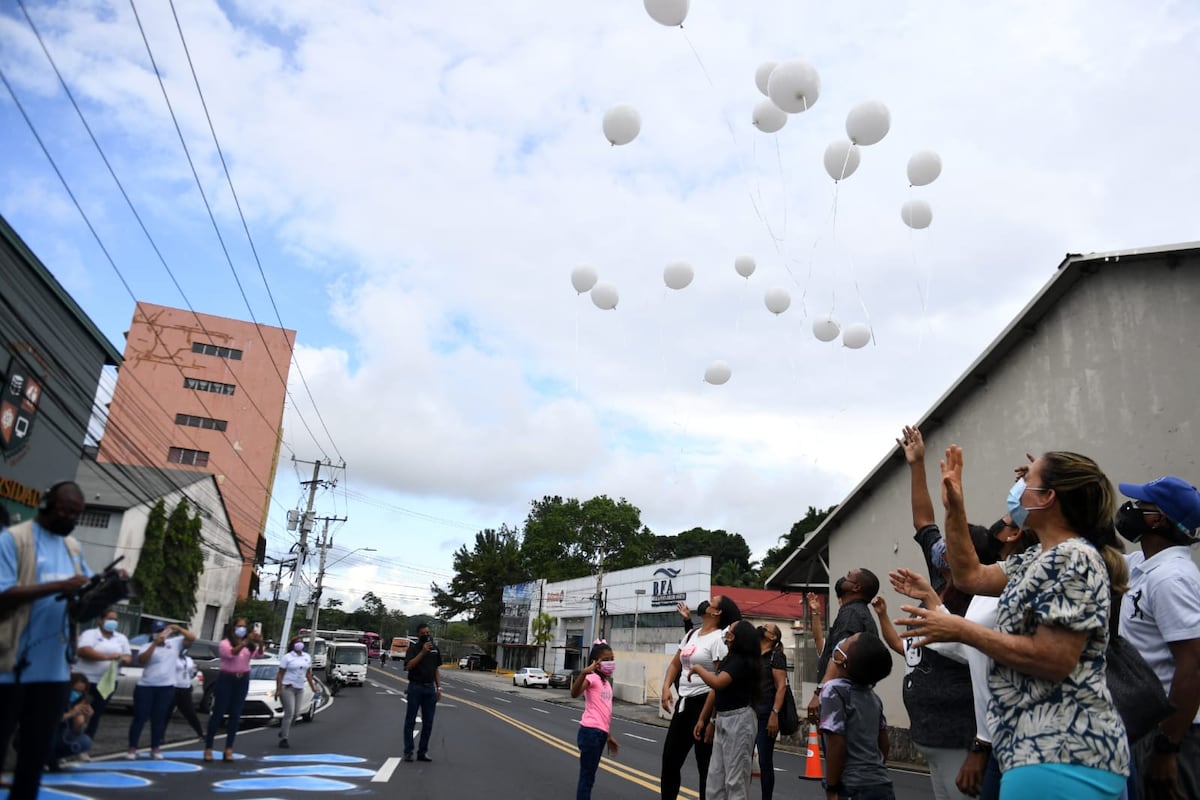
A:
813,771
755,770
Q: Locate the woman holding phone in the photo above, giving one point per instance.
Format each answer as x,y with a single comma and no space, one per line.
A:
229,693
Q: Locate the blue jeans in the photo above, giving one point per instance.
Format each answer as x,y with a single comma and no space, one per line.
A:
150,703
424,699
229,695
766,755
591,743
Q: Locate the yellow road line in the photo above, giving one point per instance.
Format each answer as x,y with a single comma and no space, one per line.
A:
625,771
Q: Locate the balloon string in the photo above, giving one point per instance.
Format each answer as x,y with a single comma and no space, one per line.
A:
782,185
577,344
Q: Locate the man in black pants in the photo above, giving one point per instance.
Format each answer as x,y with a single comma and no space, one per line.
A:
854,592
424,690
38,561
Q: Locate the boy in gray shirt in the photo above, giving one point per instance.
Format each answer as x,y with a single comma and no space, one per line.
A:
853,725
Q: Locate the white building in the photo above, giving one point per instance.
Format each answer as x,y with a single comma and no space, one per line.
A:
119,499
1104,361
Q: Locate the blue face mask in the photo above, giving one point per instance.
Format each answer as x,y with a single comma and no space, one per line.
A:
1018,512
75,695
111,625
239,632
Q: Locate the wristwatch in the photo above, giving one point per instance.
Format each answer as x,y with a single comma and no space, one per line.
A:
979,746
1164,744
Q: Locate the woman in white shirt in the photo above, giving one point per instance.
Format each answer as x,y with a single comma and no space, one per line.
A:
156,687
96,650
295,668
185,670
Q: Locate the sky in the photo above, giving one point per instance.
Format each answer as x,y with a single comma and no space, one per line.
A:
419,181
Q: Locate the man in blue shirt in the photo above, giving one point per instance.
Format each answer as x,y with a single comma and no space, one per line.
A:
38,563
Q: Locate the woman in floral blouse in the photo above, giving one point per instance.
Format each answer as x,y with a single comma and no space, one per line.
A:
1057,733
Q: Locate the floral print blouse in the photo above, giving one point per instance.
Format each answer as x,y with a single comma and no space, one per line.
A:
1038,721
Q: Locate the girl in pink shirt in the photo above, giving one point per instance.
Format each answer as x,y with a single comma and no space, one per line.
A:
595,684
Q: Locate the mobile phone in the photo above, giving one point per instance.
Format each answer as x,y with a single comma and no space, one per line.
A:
258,628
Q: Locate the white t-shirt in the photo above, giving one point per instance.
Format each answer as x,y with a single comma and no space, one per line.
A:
185,668
116,644
295,668
160,669
703,650
1161,606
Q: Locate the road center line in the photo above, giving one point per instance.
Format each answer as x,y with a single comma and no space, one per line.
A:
501,699
385,772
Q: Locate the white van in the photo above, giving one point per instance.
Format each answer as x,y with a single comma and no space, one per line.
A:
320,653
347,663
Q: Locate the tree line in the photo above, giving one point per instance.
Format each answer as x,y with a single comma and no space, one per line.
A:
563,539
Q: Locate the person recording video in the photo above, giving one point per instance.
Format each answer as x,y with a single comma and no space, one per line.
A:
40,564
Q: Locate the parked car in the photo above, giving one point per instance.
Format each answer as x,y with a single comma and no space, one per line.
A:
531,676
480,661
127,679
463,662
261,700
562,679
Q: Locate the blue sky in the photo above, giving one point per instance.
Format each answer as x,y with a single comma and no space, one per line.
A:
419,181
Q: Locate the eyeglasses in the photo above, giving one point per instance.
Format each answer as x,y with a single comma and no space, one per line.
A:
1137,506
837,648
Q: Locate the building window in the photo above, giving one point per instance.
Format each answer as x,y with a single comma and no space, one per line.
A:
201,422
182,455
95,519
208,386
215,350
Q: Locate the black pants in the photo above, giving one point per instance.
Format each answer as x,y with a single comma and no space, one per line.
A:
99,703
183,701
680,740
36,708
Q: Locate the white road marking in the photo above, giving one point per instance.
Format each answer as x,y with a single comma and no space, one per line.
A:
643,738
465,689
501,699
385,772
541,711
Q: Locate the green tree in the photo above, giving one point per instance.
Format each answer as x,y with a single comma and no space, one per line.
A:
254,611
567,539
541,626
729,551
183,561
791,542
149,573
480,575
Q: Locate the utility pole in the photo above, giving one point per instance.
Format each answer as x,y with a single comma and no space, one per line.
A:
316,616
305,526
595,611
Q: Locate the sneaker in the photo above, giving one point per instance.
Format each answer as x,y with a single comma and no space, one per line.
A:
408,757
284,744
131,755
156,754
426,759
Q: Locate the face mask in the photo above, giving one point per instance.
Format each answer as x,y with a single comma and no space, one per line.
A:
298,647
60,526
839,588
111,625
608,667
1131,522
75,695
1018,512
239,631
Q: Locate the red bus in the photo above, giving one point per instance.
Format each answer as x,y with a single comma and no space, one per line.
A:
369,638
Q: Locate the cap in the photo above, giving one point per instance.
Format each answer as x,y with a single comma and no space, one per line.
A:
158,626
1177,498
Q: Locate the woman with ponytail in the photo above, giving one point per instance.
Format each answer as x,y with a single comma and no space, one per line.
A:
1056,731
594,682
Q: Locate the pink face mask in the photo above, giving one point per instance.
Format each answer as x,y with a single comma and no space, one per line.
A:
608,667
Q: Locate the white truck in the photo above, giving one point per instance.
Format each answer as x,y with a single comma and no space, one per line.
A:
347,663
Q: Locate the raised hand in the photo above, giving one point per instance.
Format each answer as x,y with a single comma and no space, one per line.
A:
1023,470
952,470
683,610
880,605
931,626
814,603
910,584
912,444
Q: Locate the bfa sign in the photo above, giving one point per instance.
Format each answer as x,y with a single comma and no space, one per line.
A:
664,593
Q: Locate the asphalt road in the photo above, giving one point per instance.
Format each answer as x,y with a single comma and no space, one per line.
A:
491,740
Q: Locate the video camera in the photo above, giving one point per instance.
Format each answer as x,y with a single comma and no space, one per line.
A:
103,590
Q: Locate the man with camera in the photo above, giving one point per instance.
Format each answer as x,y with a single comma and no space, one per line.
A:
424,690
40,566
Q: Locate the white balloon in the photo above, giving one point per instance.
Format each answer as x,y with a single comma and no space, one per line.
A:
622,124
583,278
671,13
856,336
605,296
763,74
744,265
718,372
826,329
794,86
924,168
678,275
767,117
777,300
867,123
916,214
841,159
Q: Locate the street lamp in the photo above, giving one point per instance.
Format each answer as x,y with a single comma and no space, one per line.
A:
637,606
